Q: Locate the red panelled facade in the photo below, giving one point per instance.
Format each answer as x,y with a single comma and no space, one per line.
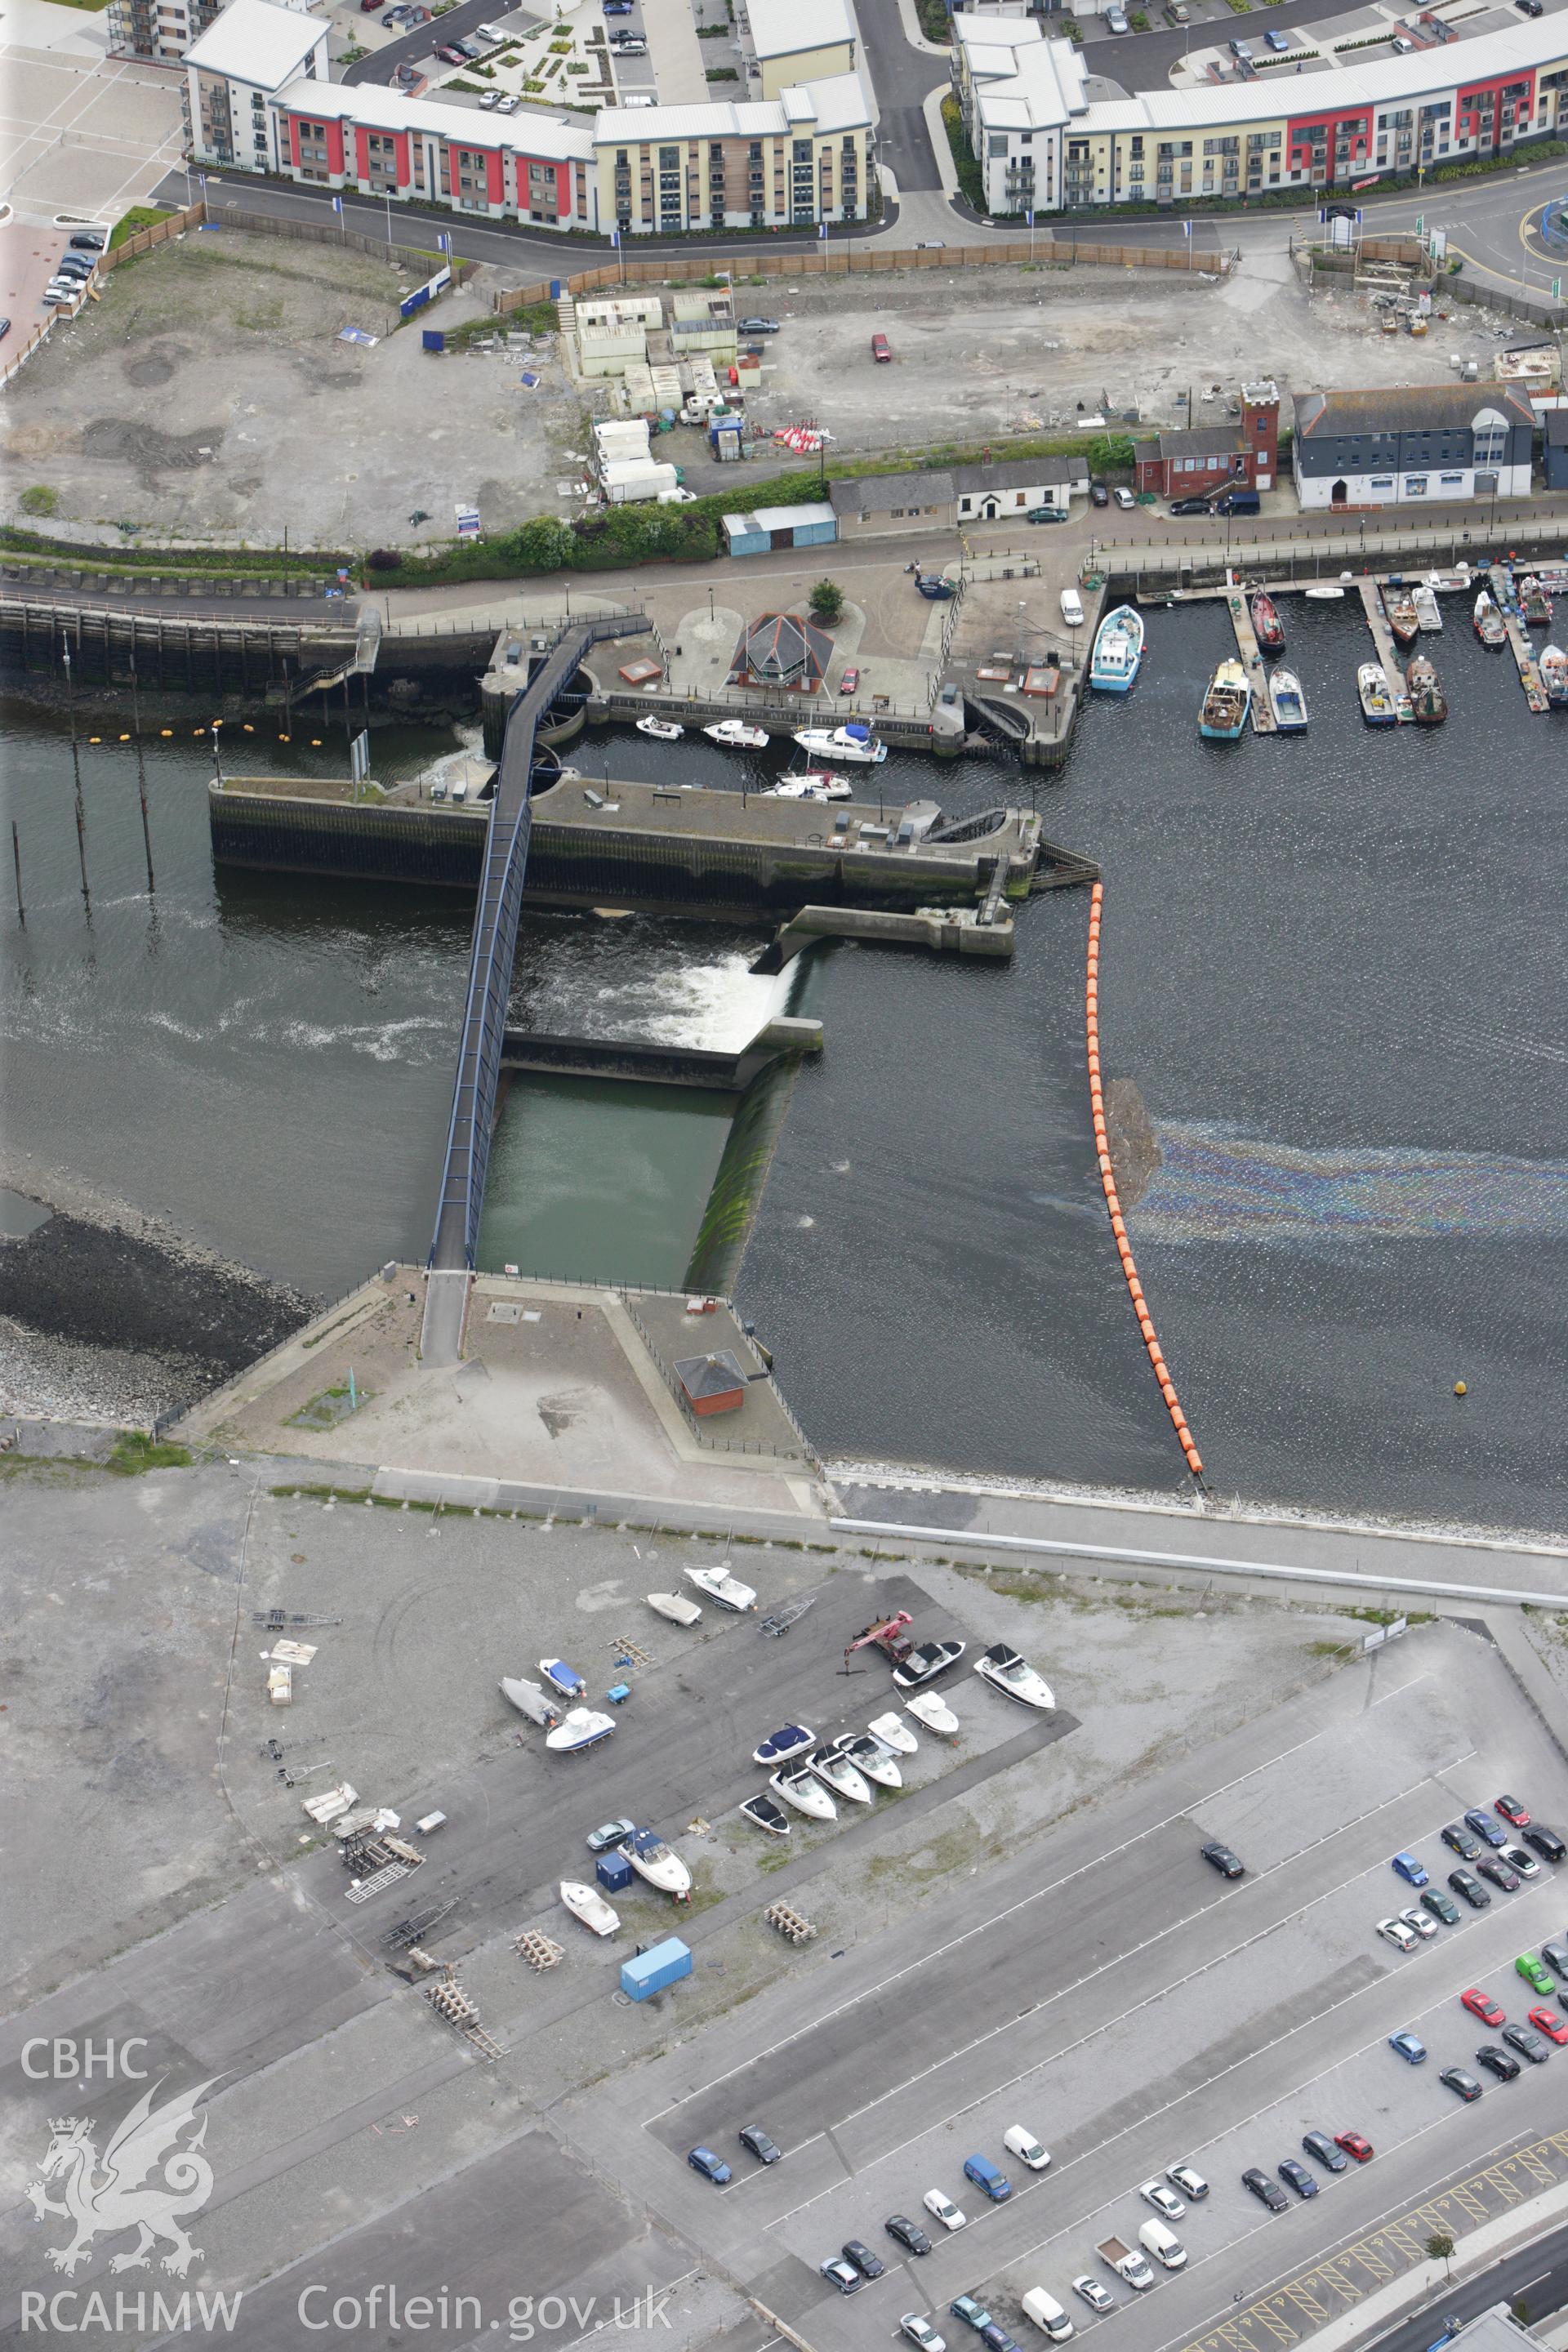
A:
1331,146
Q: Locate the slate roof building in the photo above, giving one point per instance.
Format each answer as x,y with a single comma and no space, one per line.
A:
780,649
1436,443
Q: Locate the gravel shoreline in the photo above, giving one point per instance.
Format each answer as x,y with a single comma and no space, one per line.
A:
107,1316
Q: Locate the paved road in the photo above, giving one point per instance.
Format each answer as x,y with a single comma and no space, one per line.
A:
901,77
417,48
129,597
1537,2277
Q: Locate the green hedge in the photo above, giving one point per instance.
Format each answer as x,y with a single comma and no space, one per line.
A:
970,180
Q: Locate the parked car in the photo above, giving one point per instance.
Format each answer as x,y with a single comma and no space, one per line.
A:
1268,2192
1405,1866
1556,1957
1045,2313
1409,2046
1464,2083
1277,41
1123,495
1396,1932
1465,1884
1189,506
713,2167
1242,52
1482,2004
1441,1907
1222,1860
1072,608
78,266
1164,2200
608,1834
756,2142
629,45
61,293
841,2274
1320,2144
759,326
974,2314
451,57
995,2338
1355,2145
1523,1866
922,2334
1547,2022
1098,2298
1493,1867
1115,22
1535,1974
849,682
1026,2147
1529,2045
1531,7
91,240
617,7
1547,1842
868,2265
1482,1824
1099,496
510,103
1512,1810
1458,1837
1425,1926
1046,514
910,2234
489,98
986,2177
4,329
1193,2185
945,2210
1501,2063
1296,2174
880,348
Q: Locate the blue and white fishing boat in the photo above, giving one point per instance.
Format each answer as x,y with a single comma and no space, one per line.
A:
1287,702
1117,650
1225,705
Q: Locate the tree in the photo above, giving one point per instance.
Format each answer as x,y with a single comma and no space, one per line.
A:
542,544
827,602
1110,453
1440,2248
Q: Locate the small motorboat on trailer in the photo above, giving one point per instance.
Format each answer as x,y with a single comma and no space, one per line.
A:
676,1607
778,1747
801,1787
721,1586
764,1814
652,1859
578,1728
830,1765
585,1903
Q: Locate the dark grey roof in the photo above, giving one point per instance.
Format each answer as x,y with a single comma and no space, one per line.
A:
1408,409
716,1375
876,493
1554,422
1202,441
1018,474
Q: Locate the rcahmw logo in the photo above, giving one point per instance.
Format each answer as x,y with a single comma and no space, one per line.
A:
149,2180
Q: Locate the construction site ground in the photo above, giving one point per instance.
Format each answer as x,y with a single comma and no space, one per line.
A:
208,394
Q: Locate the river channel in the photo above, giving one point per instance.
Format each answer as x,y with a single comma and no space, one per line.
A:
1331,965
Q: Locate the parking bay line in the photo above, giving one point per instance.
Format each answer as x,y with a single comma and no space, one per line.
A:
1107,1853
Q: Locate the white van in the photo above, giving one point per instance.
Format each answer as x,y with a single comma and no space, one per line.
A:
1072,608
1167,2250
639,98
1047,2315
1026,2147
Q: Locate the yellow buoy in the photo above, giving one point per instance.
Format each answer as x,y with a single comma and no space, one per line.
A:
1459,1388
165,730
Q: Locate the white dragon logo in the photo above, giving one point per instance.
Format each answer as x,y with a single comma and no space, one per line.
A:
124,2192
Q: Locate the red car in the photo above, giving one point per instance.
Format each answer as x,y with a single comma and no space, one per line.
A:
1483,2005
452,56
1547,2022
851,682
1356,2145
1512,1811
880,348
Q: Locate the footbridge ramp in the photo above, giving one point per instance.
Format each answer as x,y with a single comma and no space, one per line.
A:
490,985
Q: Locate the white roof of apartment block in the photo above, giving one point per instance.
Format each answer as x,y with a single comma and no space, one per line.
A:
782,28
255,42
544,136
1037,94
826,106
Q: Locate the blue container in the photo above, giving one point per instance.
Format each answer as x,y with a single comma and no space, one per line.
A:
614,1873
432,339
648,1972
555,290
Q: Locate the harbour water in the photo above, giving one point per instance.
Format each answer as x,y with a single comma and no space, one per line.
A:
1331,964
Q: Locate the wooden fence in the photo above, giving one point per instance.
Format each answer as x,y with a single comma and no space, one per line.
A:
418,262
850,261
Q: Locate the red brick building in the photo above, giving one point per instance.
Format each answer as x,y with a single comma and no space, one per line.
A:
1191,463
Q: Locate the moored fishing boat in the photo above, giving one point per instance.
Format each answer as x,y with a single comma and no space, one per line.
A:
1428,611
1266,625
663,730
1225,705
1403,621
1534,602
1287,702
1428,705
1377,705
852,743
1553,666
1489,622
1118,651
